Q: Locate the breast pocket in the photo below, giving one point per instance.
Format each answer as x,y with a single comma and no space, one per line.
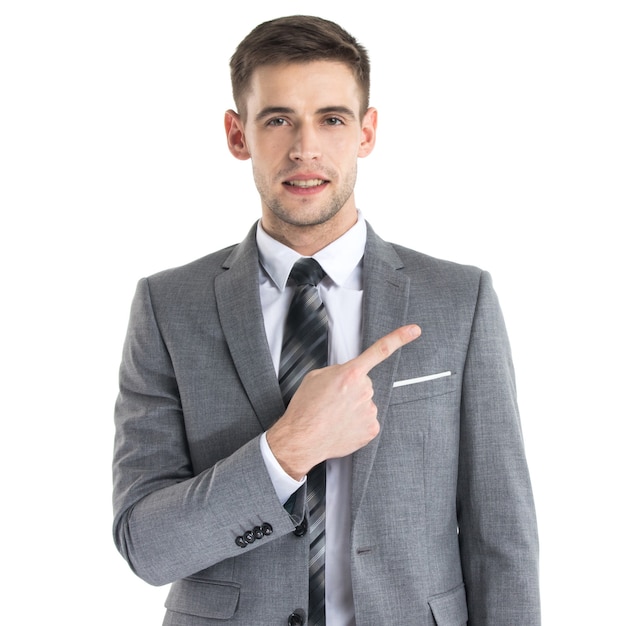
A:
423,386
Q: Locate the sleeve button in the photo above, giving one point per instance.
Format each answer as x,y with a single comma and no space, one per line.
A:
300,529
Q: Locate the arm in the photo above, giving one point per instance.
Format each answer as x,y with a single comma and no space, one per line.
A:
170,523
496,516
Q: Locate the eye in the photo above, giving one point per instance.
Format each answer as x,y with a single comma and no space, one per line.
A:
277,121
334,121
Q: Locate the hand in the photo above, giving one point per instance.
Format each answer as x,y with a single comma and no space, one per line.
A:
332,413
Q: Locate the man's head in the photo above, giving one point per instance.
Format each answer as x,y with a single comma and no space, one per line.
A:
297,39
301,86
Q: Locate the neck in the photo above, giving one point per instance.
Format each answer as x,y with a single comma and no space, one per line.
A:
307,239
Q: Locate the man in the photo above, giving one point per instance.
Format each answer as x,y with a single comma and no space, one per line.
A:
429,513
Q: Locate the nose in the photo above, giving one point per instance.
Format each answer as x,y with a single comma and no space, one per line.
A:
306,145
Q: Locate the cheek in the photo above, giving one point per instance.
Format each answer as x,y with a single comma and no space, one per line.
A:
345,153
267,152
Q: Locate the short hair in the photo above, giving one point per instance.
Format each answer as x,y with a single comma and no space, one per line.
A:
297,39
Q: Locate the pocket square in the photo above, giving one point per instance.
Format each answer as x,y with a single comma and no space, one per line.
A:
421,379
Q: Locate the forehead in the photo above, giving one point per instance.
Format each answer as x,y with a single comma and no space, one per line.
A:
289,84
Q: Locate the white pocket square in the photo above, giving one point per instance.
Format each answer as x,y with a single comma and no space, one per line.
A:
421,379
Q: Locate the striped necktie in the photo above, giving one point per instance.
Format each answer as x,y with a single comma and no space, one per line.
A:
305,347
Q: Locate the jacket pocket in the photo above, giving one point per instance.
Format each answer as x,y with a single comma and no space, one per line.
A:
450,608
203,598
426,389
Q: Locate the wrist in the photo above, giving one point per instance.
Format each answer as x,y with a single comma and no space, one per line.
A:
286,455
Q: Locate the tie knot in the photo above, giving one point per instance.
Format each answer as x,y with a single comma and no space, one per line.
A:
307,272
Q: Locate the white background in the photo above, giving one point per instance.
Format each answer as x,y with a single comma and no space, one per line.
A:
501,144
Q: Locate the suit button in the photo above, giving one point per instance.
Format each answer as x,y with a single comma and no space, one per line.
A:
249,537
296,618
267,529
241,542
301,529
258,532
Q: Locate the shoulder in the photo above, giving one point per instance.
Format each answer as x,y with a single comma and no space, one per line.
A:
445,285
182,290
440,273
202,269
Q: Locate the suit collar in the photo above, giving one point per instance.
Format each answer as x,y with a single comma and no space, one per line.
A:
338,259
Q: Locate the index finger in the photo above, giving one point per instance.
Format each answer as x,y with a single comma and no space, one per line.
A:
384,347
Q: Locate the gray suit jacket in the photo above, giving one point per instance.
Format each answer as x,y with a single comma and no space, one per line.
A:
443,523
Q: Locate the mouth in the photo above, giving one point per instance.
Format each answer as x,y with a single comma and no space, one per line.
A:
306,184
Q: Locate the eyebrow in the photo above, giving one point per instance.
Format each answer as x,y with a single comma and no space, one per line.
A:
267,111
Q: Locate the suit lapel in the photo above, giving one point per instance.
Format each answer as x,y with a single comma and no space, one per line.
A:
241,318
385,306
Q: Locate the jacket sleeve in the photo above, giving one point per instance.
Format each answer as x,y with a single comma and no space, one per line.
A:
496,515
168,522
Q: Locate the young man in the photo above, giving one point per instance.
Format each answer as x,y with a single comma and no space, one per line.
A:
429,516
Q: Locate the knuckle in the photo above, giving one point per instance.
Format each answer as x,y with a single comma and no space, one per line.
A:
373,429
366,393
351,376
371,412
384,349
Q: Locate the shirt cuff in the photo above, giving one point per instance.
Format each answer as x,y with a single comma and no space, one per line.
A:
284,485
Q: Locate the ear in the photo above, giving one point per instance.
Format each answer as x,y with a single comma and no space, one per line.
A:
235,135
368,132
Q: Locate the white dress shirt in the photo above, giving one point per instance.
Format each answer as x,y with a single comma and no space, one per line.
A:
341,291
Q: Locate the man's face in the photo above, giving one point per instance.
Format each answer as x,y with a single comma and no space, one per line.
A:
304,133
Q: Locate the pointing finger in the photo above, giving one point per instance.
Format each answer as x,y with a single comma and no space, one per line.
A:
386,346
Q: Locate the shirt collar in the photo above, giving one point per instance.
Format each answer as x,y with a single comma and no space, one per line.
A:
338,259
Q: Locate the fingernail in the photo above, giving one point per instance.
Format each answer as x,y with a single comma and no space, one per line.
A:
415,330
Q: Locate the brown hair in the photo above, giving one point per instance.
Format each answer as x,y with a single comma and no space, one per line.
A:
297,39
